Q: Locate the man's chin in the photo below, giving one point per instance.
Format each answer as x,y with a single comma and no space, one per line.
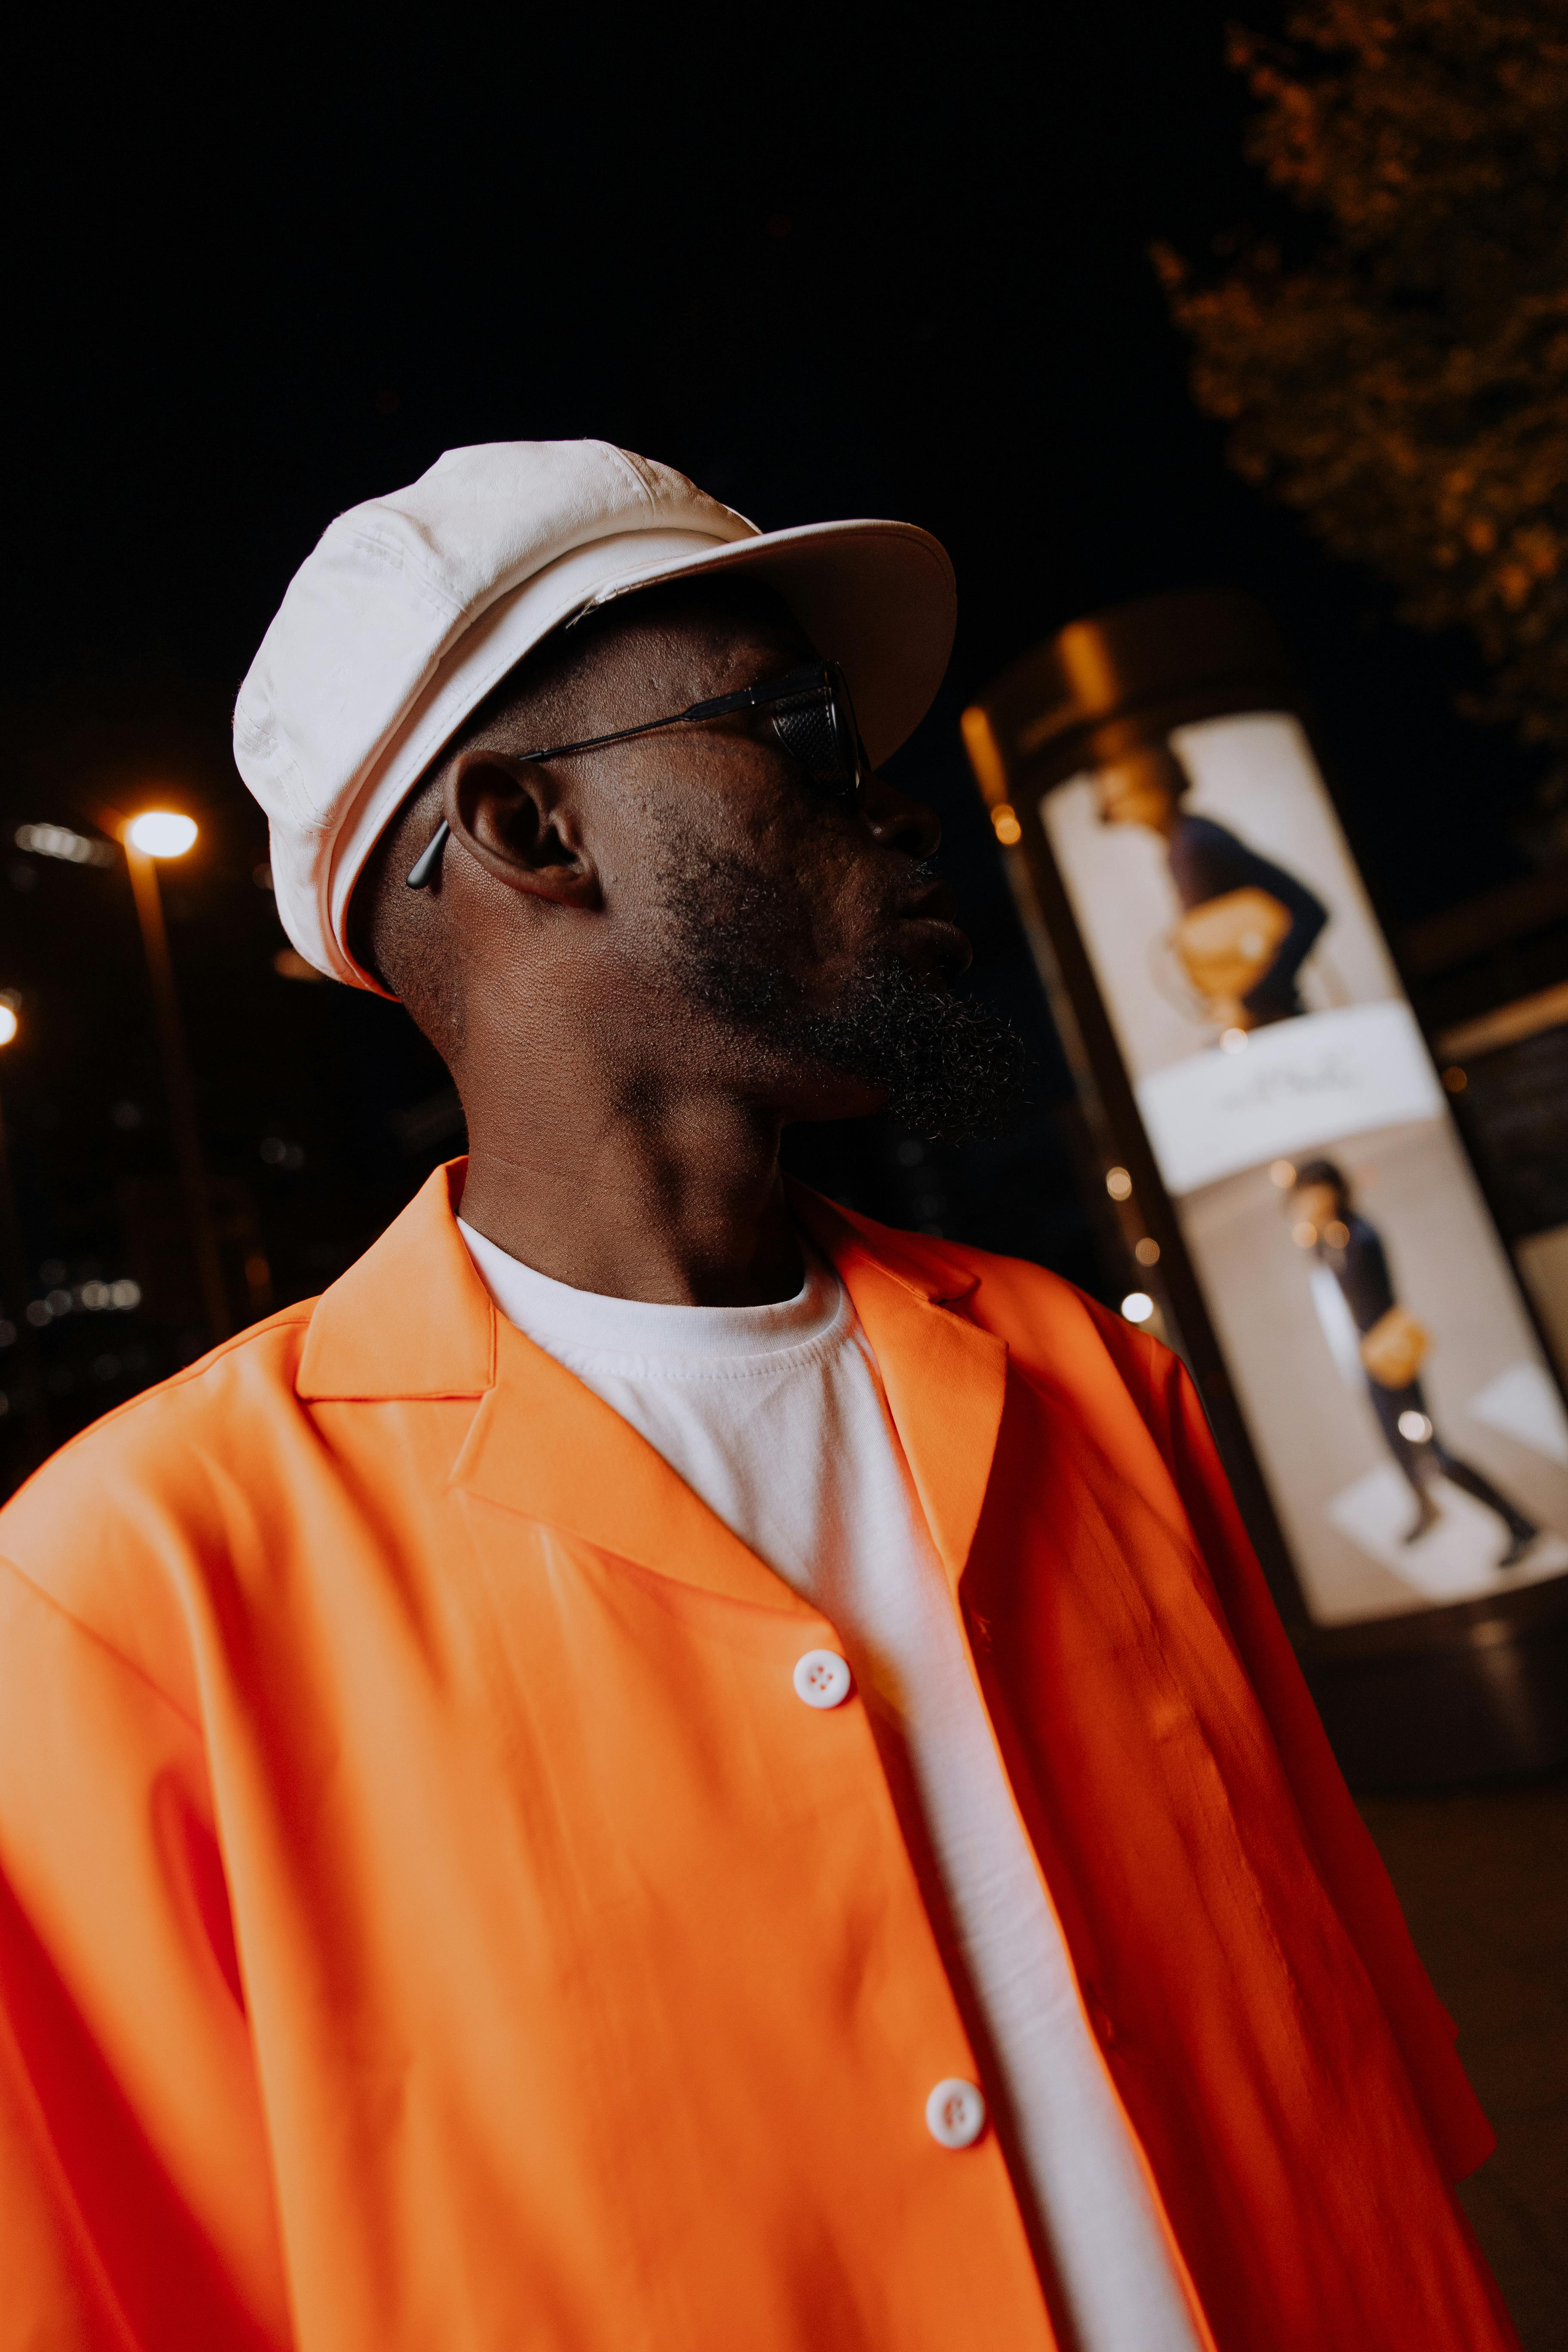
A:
895,1037
939,1064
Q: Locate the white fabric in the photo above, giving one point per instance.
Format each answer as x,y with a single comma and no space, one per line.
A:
775,1417
412,606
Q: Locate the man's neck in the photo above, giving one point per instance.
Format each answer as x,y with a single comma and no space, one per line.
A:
682,1207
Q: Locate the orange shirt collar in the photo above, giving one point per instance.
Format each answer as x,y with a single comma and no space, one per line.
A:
411,1319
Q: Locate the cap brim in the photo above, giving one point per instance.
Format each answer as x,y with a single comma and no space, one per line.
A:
877,597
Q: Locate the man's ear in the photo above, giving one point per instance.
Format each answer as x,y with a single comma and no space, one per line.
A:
510,817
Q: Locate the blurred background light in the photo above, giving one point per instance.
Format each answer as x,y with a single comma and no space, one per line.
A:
58,841
161,832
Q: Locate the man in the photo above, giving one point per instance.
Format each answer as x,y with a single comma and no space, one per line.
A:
1247,926
1393,1344
664,1767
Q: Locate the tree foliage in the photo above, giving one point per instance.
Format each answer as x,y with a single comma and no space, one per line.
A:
1404,384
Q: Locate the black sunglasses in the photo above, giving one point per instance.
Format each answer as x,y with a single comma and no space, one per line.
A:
809,712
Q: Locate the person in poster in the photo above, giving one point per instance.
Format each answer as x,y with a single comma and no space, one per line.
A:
1393,1345
1318,1051
1247,926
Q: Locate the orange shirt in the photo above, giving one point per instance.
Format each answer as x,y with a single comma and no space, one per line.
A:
429,1916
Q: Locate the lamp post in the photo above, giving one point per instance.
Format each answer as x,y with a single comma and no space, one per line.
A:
148,838
16,1285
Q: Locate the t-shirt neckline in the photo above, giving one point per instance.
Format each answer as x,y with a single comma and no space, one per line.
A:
589,1323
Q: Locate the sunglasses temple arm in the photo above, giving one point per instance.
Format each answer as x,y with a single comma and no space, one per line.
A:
594,742
422,873
746,698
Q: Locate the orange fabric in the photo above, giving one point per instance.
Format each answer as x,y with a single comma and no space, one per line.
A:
427,1916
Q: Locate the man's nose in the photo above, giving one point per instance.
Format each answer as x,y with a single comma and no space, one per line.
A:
897,822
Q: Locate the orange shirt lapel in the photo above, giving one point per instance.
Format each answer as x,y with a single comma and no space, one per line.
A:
544,1446
412,1319
945,1379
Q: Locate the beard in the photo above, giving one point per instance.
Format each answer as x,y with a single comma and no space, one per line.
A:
949,1067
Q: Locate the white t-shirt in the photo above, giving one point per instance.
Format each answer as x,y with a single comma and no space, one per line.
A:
777,1418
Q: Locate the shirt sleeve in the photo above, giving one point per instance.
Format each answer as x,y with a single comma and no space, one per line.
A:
1276,992
1367,1271
1348,1861
135,2201
1206,861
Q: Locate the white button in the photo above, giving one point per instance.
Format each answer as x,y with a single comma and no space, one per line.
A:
955,2113
822,1678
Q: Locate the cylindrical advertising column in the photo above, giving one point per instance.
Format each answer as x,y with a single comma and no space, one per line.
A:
1317,1240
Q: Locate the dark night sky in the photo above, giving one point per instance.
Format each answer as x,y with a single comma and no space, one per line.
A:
830,267
827,264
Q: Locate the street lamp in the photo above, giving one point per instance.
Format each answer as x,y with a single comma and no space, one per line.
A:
14,1281
162,832
151,835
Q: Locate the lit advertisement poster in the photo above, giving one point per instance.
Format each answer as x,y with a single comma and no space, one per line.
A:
1410,1429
